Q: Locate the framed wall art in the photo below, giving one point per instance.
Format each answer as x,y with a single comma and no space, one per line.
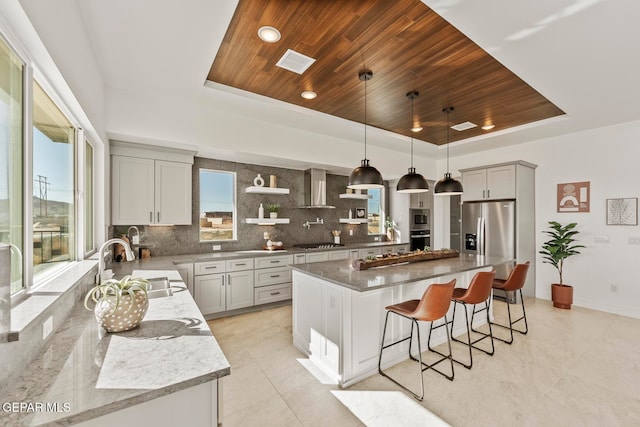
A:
574,197
622,211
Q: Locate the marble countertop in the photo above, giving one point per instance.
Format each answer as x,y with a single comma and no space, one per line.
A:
85,372
343,274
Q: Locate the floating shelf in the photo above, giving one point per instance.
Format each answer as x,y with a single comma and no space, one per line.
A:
353,221
267,221
266,190
355,196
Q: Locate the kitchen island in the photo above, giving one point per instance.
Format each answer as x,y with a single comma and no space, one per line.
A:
166,372
338,312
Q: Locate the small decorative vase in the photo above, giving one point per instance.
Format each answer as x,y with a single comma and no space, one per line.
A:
336,240
258,181
391,235
273,215
273,181
127,316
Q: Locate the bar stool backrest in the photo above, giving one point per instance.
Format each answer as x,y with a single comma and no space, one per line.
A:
479,289
517,277
435,302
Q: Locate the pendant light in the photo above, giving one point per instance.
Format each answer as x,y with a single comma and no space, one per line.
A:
365,176
412,182
448,186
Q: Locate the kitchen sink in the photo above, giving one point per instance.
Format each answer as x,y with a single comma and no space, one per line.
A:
159,287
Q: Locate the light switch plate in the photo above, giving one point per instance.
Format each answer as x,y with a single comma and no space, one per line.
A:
601,239
634,240
217,247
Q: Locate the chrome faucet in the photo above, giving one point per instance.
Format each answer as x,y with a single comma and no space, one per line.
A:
308,224
127,250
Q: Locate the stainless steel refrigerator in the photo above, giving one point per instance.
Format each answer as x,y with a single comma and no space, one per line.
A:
489,228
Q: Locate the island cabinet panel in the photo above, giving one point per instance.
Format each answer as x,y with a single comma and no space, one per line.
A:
307,313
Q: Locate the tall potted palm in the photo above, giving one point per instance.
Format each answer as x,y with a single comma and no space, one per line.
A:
555,251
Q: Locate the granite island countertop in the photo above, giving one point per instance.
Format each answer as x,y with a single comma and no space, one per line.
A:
85,372
343,274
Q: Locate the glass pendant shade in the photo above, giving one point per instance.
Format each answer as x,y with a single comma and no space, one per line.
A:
365,176
412,182
448,186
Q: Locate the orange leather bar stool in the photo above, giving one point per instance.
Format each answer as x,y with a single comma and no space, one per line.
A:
514,283
433,306
478,292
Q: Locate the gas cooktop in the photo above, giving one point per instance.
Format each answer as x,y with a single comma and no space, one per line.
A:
323,245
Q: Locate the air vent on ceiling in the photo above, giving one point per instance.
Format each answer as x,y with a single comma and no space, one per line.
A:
463,126
295,61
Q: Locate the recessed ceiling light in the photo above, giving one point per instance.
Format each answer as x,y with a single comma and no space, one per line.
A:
269,34
416,129
487,127
309,94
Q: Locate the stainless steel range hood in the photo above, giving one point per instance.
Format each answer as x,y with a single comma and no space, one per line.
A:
315,189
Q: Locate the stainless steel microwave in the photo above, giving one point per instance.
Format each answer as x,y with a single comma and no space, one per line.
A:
420,218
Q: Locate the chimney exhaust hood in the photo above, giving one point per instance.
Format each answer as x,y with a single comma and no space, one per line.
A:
315,186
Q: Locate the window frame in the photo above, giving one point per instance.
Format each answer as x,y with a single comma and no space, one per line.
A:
234,237
381,211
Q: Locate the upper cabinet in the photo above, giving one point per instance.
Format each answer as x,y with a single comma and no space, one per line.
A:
492,182
420,200
150,185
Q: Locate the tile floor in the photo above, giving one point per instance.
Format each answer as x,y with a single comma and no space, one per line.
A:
576,367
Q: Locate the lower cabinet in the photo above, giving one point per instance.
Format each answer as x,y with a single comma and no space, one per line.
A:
210,293
223,288
273,293
273,284
239,289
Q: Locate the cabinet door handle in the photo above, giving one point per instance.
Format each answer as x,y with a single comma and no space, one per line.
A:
488,193
228,280
158,216
273,276
211,267
275,262
483,194
275,293
240,264
222,280
150,216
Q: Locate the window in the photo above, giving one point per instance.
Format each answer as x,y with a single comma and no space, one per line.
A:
375,211
53,184
89,244
217,205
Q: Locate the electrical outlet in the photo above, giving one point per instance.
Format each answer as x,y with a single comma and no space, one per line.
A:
266,235
615,288
376,239
601,239
634,240
350,232
47,327
217,247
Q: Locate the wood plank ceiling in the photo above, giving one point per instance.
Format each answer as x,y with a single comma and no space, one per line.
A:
404,43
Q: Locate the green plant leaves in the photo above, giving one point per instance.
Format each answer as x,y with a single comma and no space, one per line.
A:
561,245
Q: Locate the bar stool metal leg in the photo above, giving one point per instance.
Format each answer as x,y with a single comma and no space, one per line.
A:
469,325
513,322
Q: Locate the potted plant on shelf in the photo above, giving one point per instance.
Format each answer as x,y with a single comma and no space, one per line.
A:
120,305
555,251
273,209
390,226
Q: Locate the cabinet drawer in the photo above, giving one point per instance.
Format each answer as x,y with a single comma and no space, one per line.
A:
210,267
317,257
272,276
368,252
272,293
337,255
240,264
273,261
299,258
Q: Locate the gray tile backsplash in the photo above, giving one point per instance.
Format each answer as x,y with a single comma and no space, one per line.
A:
176,240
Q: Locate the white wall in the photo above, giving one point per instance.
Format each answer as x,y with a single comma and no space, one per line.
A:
608,158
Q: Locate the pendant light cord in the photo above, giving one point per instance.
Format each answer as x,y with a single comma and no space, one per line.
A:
365,118
412,132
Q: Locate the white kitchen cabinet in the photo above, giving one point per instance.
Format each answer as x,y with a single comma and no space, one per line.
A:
299,258
354,254
492,183
421,200
363,253
239,292
273,261
272,276
317,257
210,293
150,185
338,255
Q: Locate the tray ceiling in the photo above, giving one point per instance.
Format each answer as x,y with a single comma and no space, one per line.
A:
405,44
